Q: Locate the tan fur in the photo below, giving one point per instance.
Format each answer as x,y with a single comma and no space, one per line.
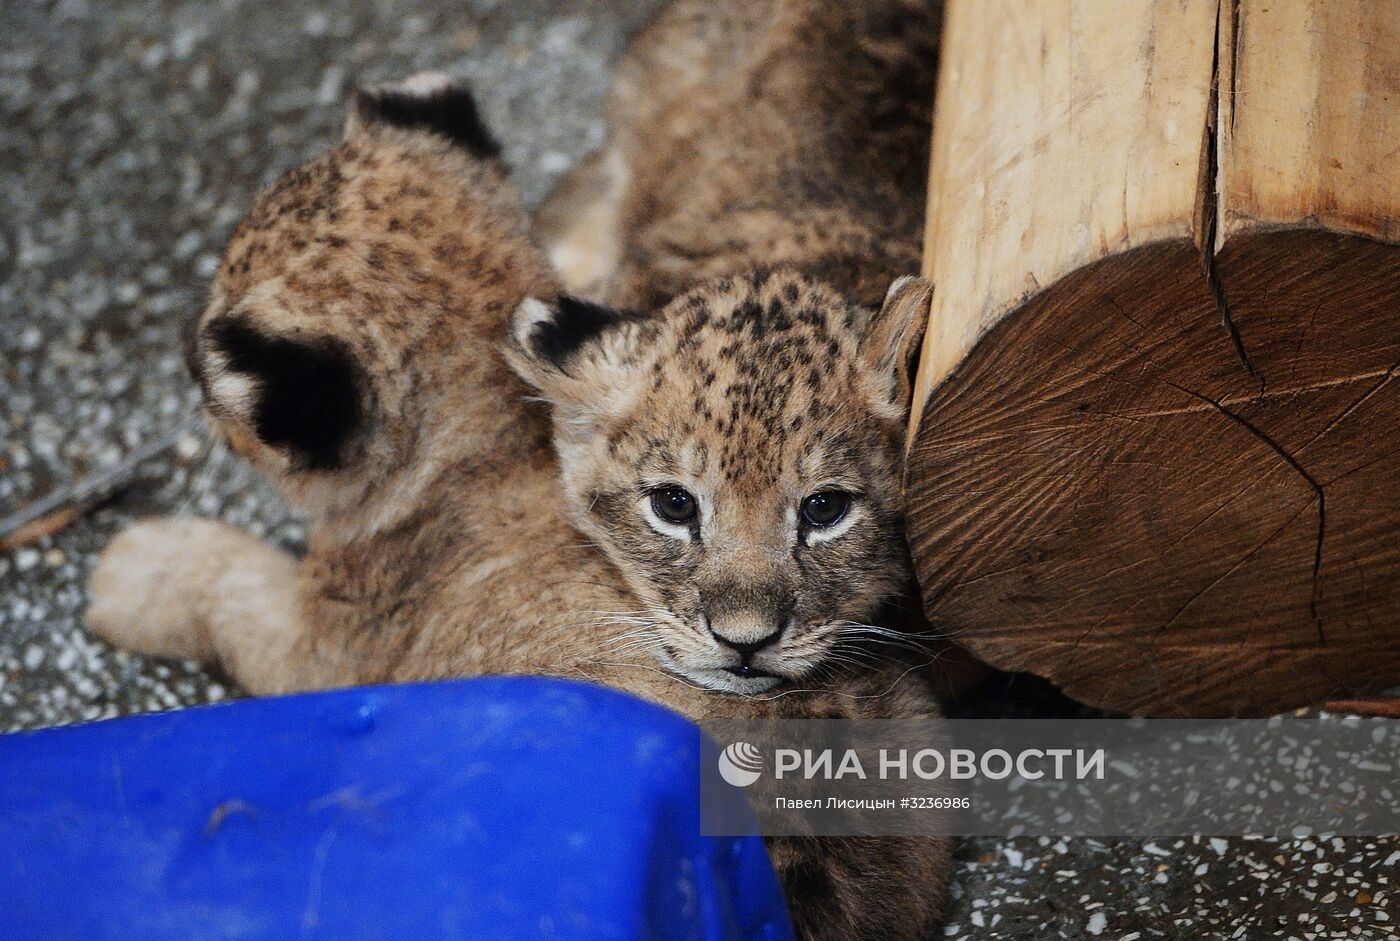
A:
749,393
791,134
440,545
742,132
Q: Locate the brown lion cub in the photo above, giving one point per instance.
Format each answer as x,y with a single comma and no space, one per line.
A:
356,348
758,410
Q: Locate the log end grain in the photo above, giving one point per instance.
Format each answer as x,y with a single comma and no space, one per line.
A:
1176,491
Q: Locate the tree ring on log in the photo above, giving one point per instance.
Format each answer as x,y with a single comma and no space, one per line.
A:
1176,491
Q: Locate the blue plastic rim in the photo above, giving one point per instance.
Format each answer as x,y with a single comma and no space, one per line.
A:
494,808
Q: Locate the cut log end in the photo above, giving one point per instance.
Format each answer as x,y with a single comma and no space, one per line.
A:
1177,491
1168,477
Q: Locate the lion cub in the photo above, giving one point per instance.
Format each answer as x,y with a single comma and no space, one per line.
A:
361,345
761,189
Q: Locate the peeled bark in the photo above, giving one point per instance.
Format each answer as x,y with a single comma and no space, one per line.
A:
1155,453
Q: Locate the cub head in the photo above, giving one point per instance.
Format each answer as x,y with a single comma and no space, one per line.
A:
341,300
738,456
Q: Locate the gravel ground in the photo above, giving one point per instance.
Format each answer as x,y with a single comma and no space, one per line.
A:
133,135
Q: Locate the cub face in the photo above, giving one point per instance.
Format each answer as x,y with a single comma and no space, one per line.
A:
738,456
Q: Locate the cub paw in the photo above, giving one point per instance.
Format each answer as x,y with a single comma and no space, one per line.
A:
147,592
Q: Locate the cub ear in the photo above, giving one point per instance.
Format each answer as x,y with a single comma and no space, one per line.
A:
894,336
300,396
426,103
578,354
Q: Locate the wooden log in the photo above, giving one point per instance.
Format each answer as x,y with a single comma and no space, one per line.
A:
1155,450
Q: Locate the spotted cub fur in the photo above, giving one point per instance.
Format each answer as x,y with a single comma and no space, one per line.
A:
737,458
760,192
356,347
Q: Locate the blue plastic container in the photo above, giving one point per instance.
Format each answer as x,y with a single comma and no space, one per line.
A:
499,808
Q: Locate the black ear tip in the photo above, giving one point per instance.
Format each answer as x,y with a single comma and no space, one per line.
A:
309,390
574,323
430,103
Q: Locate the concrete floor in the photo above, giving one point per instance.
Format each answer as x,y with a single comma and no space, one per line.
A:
133,134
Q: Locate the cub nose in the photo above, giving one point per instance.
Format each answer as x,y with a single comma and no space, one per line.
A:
740,638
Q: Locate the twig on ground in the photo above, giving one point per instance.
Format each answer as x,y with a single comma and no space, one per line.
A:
58,510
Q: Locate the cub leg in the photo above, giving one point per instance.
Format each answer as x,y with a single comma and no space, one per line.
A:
207,591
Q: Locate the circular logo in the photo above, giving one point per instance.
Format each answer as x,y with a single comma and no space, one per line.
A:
740,764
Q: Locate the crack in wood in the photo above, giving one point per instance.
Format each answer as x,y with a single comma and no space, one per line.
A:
1227,320
1210,189
1302,472
1346,412
1226,574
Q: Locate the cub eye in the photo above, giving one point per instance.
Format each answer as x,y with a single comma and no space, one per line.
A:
825,507
674,504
